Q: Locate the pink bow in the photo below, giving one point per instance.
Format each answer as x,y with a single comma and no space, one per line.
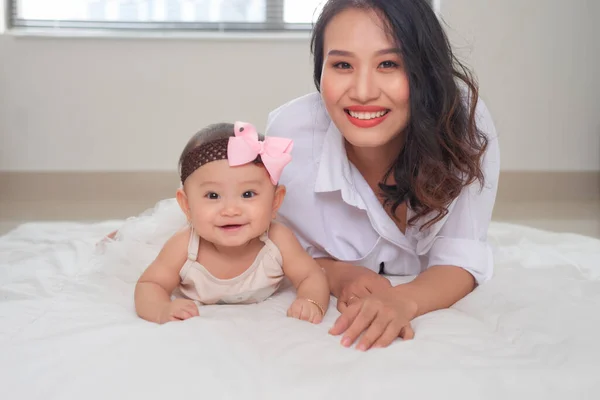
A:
245,147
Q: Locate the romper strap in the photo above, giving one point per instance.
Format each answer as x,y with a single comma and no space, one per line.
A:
265,235
193,245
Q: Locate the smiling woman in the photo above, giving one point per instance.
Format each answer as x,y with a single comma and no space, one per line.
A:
395,169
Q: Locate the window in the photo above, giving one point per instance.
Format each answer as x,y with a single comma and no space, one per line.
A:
206,15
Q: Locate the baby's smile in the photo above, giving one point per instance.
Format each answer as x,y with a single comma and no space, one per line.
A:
232,228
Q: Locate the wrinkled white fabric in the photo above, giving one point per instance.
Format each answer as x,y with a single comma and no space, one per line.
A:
68,329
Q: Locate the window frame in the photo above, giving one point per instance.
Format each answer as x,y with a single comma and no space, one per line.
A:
274,23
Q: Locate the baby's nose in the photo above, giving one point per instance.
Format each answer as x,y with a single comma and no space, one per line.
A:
231,208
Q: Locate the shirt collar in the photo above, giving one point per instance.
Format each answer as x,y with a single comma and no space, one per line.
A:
335,172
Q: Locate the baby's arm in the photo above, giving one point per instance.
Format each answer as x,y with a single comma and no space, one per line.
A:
153,290
304,273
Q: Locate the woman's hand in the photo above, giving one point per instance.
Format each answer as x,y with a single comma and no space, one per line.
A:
353,282
382,316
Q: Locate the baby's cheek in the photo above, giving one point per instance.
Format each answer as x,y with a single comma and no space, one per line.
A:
263,215
202,216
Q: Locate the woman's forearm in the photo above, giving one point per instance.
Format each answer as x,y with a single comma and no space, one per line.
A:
437,288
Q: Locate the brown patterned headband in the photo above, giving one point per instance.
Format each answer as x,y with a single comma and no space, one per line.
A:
212,151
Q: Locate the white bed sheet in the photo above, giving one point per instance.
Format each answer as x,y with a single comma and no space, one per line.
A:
68,330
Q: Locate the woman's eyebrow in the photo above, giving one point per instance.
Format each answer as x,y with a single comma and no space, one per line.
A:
391,50
342,53
345,53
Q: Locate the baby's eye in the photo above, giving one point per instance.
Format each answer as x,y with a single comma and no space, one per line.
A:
249,194
212,196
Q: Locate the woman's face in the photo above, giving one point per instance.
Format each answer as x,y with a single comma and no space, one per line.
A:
364,85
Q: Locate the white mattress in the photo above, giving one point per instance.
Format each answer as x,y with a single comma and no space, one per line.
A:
68,330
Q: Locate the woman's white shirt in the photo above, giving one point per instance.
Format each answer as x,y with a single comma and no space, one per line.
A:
335,214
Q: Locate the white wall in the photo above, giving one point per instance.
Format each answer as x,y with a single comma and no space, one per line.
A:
106,104
131,104
538,63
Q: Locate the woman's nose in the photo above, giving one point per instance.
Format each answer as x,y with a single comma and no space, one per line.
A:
365,88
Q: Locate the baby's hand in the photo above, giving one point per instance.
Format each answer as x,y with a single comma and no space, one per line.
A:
178,310
306,311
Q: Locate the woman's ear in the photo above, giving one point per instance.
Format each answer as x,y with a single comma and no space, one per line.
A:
182,199
278,199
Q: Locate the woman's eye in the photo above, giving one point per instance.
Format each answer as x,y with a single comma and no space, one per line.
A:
388,64
212,196
249,194
342,65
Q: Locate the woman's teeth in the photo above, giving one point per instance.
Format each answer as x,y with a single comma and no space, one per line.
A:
367,115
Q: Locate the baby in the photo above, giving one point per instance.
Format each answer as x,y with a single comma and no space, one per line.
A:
232,250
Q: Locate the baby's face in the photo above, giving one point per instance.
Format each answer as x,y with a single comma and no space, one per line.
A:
229,206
